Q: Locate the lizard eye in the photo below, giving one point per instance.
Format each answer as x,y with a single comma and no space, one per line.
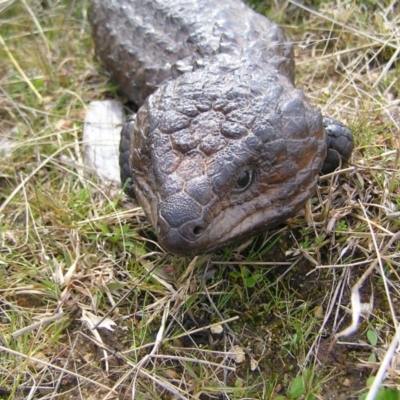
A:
243,181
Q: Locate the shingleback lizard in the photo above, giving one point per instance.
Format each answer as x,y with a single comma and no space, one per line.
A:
224,145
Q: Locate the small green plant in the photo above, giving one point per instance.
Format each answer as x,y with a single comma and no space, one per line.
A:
372,337
249,279
302,386
373,340
319,240
341,227
297,388
305,244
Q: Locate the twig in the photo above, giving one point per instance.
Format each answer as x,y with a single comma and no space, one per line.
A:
20,70
35,325
47,364
349,28
193,360
38,26
32,174
355,296
384,366
143,362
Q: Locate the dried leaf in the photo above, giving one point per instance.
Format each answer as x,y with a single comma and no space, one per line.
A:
94,321
237,354
253,364
216,329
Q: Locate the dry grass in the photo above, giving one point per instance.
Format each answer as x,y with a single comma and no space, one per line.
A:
78,259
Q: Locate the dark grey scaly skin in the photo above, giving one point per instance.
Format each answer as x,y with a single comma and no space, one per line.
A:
339,144
223,145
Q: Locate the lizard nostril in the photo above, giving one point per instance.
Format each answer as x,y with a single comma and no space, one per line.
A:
198,230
